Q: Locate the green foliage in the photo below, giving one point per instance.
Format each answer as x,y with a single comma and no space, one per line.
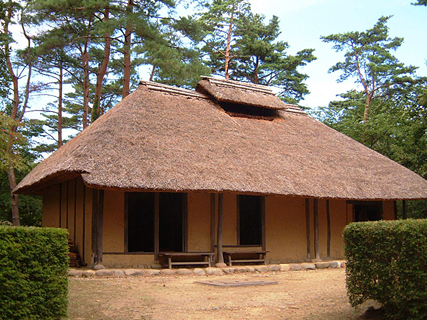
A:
389,113
368,57
420,3
10,140
33,273
255,55
260,58
387,262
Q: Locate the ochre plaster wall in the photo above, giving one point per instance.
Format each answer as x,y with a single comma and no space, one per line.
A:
114,221
199,222
337,209
69,205
285,229
50,211
230,219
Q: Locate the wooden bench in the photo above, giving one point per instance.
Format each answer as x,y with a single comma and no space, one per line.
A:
205,258
255,256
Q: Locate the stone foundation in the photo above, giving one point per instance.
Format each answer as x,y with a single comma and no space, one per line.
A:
74,272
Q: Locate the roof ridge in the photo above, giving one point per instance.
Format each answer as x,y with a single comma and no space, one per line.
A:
241,85
170,89
293,108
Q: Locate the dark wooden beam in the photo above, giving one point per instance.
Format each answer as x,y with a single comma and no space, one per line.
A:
66,212
346,213
126,240
395,209
95,194
213,199
75,210
100,226
316,228
84,224
220,222
238,218
328,221
404,209
185,222
156,225
60,205
307,226
97,224
263,226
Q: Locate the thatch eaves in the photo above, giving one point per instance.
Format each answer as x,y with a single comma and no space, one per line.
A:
162,138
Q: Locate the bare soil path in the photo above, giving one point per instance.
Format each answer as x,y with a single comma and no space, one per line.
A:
315,294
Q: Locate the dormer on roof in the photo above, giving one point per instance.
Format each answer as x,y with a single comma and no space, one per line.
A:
244,99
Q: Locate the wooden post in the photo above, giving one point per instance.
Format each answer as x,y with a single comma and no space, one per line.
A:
156,226
60,205
346,213
263,226
213,199
328,218
316,229
67,199
84,224
100,225
95,193
220,222
307,222
97,225
185,224
75,210
404,208
395,209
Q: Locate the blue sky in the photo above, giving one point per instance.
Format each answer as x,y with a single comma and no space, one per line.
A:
302,22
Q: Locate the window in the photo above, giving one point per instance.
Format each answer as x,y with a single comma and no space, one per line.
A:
369,211
250,220
141,217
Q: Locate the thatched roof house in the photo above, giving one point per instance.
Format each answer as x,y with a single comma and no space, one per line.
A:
164,138
226,137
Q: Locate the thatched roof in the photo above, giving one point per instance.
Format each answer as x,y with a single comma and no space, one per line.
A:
241,93
168,139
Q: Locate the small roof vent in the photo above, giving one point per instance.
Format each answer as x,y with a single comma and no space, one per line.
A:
248,100
240,93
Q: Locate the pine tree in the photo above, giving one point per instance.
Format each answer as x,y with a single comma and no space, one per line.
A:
368,58
260,58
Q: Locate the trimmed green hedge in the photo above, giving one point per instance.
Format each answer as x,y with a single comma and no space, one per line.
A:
33,273
387,262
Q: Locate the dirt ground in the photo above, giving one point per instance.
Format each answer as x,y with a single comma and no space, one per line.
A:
315,294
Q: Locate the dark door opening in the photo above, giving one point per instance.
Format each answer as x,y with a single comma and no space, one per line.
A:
371,211
250,220
141,216
171,222
140,209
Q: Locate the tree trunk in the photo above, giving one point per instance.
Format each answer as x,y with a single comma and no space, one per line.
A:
14,115
152,73
14,197
227,49
86,83
127,47
96,109
366,116
85,63
60,82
